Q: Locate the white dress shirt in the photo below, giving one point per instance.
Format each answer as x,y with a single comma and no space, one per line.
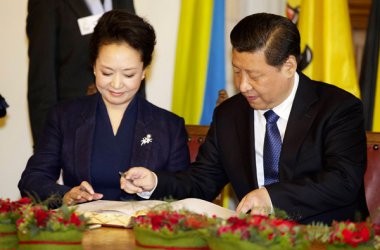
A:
283,111
96,7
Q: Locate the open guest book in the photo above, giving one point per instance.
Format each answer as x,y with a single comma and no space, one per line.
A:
119,213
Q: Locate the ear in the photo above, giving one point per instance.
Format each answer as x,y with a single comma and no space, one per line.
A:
93,68
143,74
290,66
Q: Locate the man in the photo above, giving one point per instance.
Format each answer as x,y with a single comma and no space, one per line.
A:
314,169
59,32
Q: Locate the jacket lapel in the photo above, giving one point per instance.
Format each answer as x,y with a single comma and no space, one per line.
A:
84,136
300,120
143,128
79,7
244,126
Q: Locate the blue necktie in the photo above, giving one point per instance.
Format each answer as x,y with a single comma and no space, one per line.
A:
272,148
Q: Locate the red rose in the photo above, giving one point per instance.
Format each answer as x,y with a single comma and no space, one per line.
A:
19,221
193,222
24,201
5,206
74,219
41,217
156,222
357,237
256,220
223,229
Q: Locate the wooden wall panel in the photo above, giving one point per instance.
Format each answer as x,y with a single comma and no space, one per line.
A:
359,11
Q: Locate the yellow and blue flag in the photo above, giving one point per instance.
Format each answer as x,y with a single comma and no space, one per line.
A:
200,60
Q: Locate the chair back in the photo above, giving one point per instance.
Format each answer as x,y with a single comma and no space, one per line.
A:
372,176
197,135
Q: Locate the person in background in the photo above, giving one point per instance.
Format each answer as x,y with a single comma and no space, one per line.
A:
222,96
3,106
285,141
59,32
94,138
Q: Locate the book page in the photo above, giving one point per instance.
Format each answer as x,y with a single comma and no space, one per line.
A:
124,207
114,213
202,207
119,213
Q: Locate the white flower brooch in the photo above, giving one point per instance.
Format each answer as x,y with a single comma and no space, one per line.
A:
147,139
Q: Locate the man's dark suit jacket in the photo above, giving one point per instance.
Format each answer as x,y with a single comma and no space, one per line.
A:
322,162
59,65
66,144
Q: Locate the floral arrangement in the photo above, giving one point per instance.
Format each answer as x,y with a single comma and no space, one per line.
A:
41,228
346,235
376,229
166,228
39,218
9,209
9,213
257,232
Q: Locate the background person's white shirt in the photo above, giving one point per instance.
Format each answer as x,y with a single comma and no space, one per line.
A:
96,7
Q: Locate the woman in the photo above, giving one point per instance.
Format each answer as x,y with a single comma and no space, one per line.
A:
92,139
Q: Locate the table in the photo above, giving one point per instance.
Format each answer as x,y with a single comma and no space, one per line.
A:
108,238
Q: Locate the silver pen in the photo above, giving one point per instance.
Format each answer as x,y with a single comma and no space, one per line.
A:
121,174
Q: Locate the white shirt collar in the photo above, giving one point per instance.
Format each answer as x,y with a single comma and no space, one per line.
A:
284,108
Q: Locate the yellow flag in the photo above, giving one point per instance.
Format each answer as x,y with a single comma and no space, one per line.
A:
294,3
325,31
192,53
376,109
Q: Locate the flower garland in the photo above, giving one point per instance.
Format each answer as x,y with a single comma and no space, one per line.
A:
35,219
346,235
9,213
261,232
40,228
350,233
167,221
166,229
9,210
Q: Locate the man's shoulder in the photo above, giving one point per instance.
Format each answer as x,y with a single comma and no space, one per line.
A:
233,107
235,100
325,90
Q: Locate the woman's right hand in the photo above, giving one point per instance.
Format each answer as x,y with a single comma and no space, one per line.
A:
82,193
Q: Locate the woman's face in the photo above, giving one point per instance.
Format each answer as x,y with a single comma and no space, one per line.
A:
119,72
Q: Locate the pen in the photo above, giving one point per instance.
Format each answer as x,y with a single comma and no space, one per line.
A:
121,174
94,226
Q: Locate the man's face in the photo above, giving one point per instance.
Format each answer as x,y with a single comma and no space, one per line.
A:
263,85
